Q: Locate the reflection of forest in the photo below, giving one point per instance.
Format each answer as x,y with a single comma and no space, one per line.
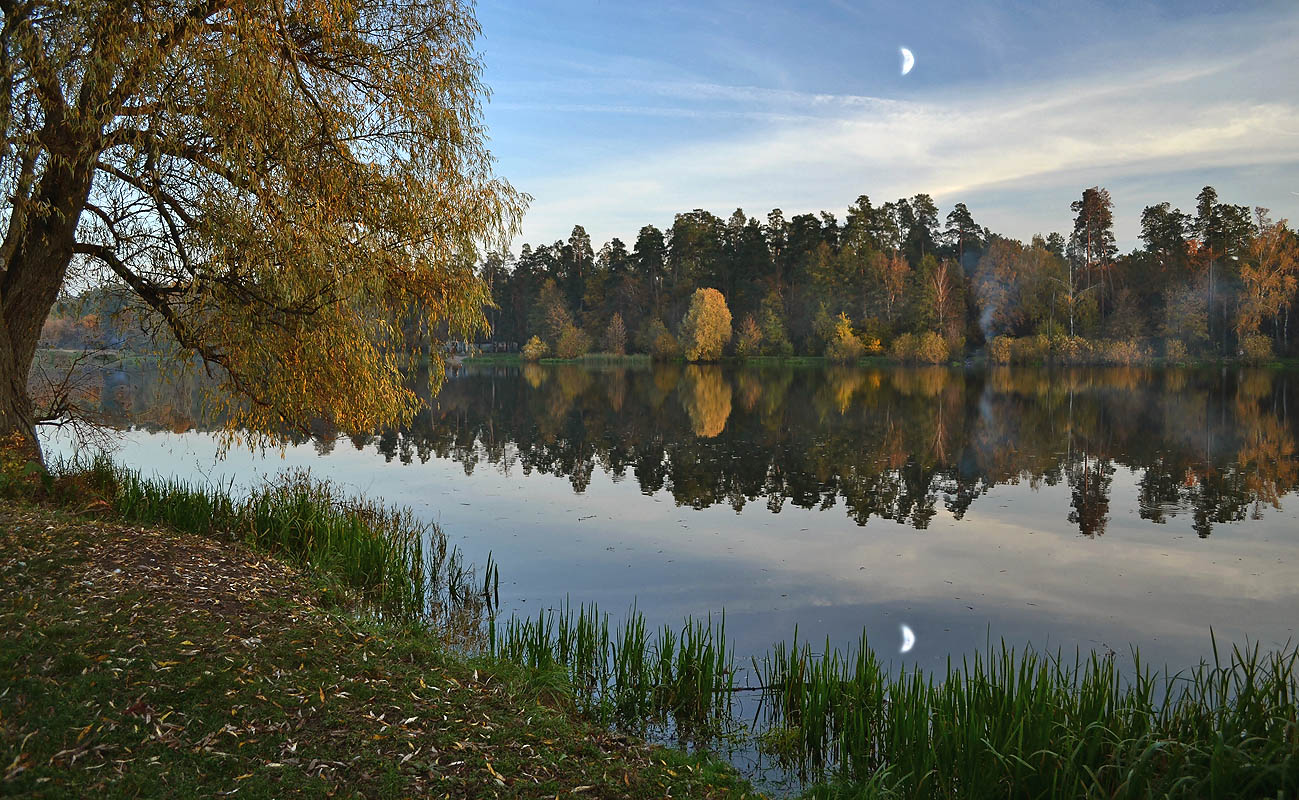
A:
891,443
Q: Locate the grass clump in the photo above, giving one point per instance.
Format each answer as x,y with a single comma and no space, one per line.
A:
627,675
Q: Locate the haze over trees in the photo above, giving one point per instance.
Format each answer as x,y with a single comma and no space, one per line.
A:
282,190
904,278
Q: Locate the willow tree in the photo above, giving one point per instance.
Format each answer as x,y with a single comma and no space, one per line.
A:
273,183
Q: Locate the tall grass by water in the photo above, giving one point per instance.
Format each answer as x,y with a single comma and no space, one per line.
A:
401,568
1007,723
627,674
998,723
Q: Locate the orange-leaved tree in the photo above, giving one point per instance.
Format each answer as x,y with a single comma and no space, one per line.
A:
1269,274
273,183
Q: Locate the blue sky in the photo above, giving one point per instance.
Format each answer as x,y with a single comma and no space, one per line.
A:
617,115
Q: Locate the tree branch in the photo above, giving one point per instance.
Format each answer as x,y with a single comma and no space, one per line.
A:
146,142
154,191
173,36
29,41
155,297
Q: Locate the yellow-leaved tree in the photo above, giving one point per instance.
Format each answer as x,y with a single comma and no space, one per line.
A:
1269,276
274,185
706,328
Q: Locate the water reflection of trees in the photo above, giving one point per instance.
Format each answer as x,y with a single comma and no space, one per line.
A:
890,443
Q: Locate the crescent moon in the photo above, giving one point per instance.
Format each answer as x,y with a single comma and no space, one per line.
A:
908,639
908,60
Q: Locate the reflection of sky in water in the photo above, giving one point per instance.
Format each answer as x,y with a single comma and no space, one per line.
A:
1013,568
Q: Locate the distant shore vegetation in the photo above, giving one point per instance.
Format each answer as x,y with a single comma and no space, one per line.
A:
900,281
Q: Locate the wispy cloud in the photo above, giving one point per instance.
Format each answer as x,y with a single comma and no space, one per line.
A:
1106,130
652,111
806,151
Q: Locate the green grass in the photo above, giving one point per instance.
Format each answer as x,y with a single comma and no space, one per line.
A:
401,568
999,722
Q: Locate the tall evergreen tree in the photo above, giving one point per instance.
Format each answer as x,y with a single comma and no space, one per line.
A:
650,258
1093,232
962,236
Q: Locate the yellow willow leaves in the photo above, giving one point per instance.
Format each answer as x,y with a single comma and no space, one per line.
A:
295,190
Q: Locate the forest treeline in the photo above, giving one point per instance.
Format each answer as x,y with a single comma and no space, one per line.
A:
901,279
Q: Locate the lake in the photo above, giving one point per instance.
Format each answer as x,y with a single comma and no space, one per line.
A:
1091,509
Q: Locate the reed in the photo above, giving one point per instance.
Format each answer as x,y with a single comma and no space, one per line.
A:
1033,725
1001,722
625,675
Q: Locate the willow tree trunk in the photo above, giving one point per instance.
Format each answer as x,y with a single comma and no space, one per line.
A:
38,249
17,423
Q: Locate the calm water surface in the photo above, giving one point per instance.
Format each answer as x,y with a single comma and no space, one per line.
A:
1091,509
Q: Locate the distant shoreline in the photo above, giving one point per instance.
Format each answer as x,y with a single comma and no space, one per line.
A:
978,362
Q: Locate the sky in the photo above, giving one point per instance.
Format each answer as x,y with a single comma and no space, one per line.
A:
616,115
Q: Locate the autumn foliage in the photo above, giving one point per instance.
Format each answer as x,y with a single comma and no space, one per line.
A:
293,193
845,347
706,329
535,349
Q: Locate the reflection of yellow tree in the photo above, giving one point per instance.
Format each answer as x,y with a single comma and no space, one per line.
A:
931,381
1267,454
1255,384
948,407
569,383
1127,379
573,381
534,375
1175,381
666,377
1269,460
1001,380
893,449
842,385
564,385
706,396
775,386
